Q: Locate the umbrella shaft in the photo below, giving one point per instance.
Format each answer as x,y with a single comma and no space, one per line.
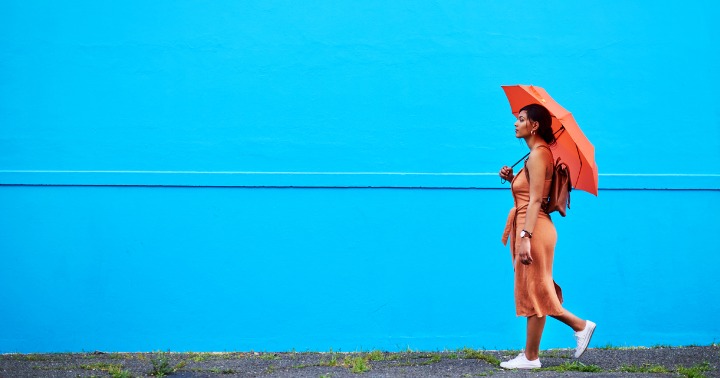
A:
521,159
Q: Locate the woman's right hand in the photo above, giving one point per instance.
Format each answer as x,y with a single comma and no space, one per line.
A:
523,251
506,173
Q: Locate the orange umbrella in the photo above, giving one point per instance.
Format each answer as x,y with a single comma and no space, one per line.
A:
573,147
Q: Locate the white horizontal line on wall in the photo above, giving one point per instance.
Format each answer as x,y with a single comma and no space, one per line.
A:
659,174
450,180
257,173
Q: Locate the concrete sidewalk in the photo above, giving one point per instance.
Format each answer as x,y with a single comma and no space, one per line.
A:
607,362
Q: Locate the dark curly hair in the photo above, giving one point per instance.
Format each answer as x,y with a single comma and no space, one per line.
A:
539,113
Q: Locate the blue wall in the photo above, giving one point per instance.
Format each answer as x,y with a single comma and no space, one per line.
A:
273,175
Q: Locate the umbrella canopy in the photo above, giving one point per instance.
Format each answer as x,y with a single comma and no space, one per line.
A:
572,146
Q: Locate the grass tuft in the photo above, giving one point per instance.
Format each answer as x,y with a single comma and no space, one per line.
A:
644,368
434,358
34,357
478,355
357,364
115,370
332,362
199,357
269,356
555,353
695,371
376,355
575,366
161,365
618,347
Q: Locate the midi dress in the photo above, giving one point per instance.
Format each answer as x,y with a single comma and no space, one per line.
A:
536,293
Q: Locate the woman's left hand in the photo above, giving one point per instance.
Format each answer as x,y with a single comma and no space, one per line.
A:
524,251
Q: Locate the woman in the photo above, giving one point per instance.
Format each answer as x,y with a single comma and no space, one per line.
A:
533,241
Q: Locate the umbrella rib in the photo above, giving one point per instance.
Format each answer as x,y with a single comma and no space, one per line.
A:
560,131
581,163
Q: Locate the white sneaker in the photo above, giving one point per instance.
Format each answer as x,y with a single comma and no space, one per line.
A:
521,362
583,338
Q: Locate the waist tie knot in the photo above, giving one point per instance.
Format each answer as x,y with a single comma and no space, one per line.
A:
510,227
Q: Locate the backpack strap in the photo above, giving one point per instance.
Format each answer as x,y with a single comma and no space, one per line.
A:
547,148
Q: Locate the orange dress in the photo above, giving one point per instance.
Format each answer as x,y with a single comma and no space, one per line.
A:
536,293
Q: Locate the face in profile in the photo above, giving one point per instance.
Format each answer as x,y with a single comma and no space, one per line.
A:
522,125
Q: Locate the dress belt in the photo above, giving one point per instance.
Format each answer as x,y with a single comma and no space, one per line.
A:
510,226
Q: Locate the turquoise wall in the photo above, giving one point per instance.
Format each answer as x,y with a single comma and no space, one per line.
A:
272,175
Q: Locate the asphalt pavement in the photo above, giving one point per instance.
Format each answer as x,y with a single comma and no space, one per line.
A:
693,361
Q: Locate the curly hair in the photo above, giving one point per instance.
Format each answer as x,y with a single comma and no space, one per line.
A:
541,115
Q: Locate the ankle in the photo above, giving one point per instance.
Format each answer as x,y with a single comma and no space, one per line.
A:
580,326
532,356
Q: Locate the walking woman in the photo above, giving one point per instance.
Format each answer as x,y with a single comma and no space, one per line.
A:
533,238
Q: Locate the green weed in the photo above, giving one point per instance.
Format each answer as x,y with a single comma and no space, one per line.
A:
119,373
34,357
434,358
161,366
617,347
180,365
376,355
478,355
644,368
695,371
662,346
269,356
575,366
396,356
555,353
333,361
121,356
356,364
198,357
102,366
115,370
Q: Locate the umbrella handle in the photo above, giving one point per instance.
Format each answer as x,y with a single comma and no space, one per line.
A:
502,181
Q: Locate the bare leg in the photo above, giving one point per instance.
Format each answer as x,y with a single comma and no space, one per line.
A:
572,321
535,326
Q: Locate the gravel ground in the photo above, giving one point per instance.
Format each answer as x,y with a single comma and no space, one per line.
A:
635,362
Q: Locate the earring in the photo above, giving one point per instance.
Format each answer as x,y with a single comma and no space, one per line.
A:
532,132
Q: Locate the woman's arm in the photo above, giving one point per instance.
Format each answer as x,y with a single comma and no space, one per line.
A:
536,167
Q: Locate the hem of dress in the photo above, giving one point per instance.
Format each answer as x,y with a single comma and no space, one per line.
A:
540,315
